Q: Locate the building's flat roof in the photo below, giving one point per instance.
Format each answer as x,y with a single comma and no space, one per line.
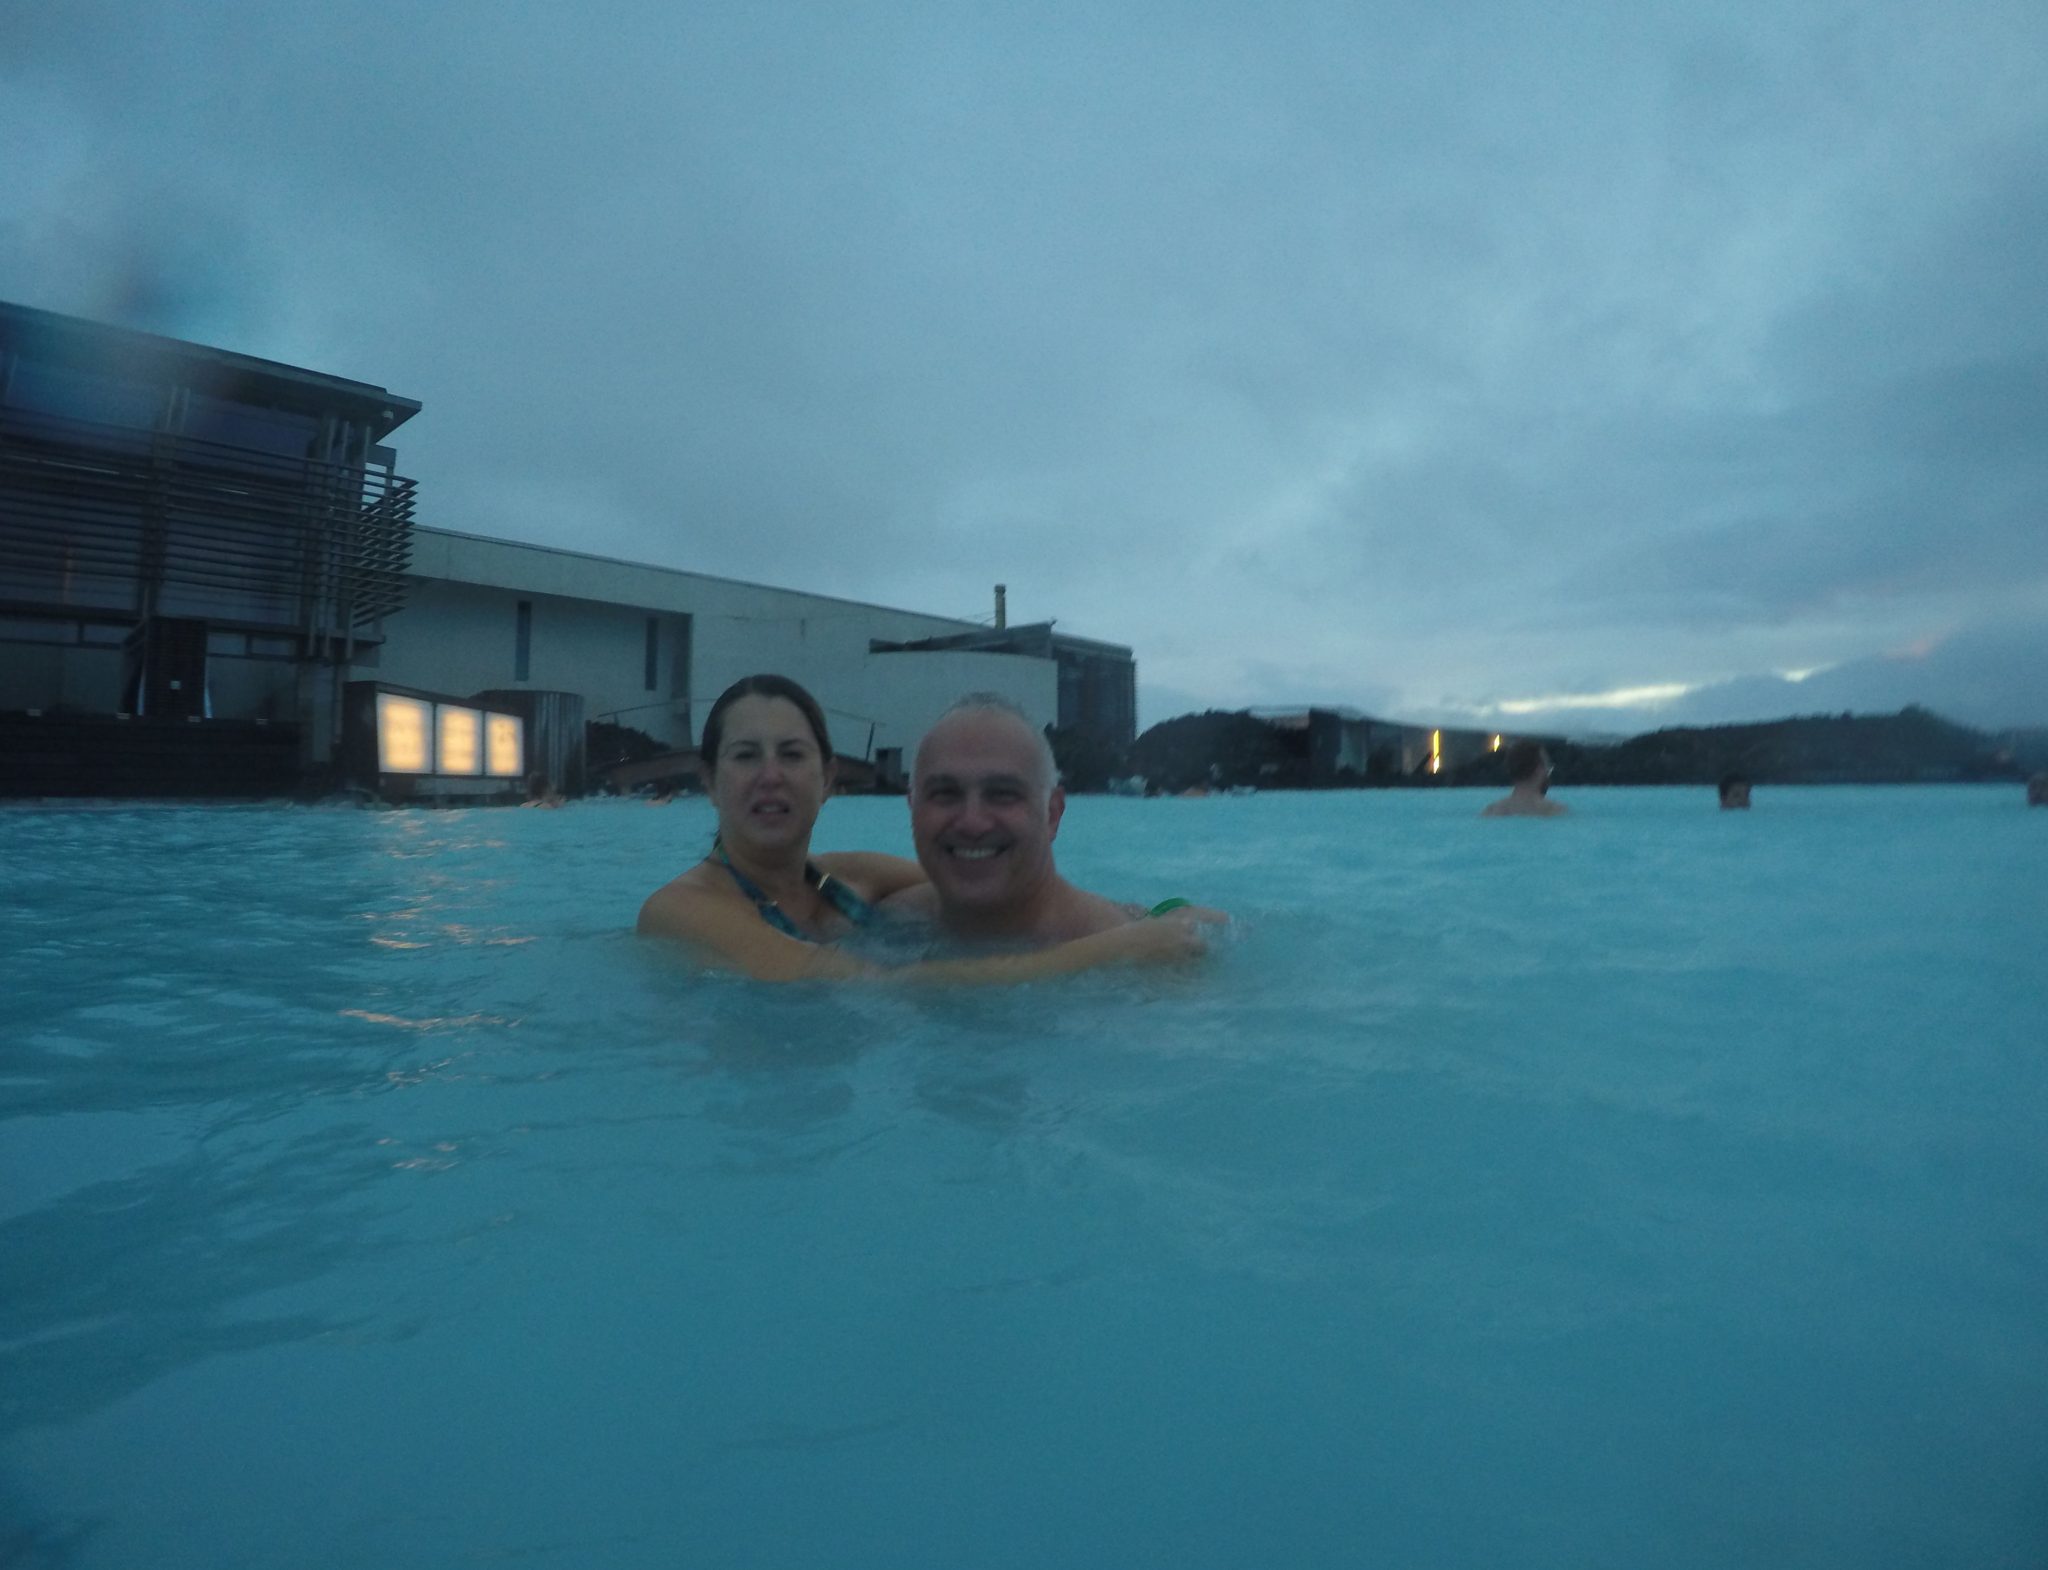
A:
91,343
967,628
988,637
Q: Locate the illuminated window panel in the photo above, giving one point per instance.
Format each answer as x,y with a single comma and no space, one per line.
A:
504,746
459,738
402,726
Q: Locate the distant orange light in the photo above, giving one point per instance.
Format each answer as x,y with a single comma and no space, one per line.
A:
1496,744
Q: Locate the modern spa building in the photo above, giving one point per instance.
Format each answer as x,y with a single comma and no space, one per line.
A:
191,543
210,567
649,647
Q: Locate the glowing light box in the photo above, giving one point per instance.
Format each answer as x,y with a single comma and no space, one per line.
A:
458,740
504,745
402,726
422,735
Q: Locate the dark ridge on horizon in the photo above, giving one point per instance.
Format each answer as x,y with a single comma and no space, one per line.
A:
1220,749
1913,746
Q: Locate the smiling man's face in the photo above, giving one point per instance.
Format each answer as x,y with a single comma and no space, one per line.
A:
983,812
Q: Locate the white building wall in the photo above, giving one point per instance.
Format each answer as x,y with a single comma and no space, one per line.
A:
458,634
459,638
911,690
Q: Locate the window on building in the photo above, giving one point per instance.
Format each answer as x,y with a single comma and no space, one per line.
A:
83,395
275,433
522,642
653,661
26,629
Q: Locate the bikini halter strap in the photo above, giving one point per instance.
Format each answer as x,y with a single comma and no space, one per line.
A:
836,894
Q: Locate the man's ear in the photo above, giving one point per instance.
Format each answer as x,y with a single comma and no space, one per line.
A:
1055,804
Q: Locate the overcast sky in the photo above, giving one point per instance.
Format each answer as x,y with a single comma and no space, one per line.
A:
1573,367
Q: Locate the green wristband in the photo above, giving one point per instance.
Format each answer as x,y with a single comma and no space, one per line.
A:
1168,904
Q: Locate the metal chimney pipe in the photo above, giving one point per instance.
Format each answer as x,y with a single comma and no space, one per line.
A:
1002,607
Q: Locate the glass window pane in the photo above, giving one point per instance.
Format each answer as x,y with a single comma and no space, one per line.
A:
29,629
83,395
250,428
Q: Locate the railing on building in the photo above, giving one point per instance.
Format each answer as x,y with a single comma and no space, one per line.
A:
143,523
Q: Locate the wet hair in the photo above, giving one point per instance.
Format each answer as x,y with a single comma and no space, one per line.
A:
1730,783
1524,760
762,686
996,703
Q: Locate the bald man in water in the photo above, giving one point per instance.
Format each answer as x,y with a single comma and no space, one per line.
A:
985,807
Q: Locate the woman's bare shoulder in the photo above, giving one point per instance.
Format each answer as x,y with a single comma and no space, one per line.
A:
684,900
715,926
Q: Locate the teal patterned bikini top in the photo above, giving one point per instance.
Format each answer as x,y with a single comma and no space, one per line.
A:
836,894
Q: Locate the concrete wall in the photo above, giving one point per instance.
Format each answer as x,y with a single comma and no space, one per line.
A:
458,634
911,690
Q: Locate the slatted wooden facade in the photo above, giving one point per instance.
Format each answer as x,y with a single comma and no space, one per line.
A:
187,504
95,518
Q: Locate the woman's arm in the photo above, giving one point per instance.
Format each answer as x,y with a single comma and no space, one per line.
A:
1167,940
730,935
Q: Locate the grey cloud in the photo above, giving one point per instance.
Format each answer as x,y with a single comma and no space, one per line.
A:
1973,677
1428,350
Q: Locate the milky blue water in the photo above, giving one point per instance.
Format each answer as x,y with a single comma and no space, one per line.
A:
1654,1187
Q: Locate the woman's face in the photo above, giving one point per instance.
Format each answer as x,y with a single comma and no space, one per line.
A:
769,778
